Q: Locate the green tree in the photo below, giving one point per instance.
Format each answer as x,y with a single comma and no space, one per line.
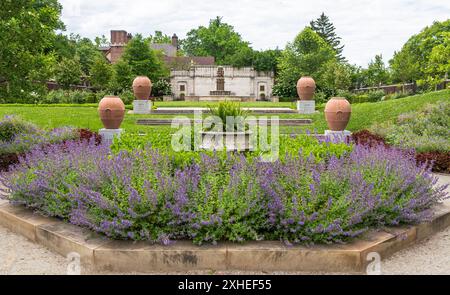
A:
325,28
218,39
438,66
27,32
267,60
101,73
307,55
122,76
160,38
143,60
404,67
68,72
88,53
243,57
161,87
101,41
412,62
336,76
377,74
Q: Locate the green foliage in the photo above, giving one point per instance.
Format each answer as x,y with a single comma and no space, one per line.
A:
416,61
101,73
219,40
18,136
68,72
227,109
88,54
375,95
11,126
81,97
377,74
143,60
307,145
290,146
336,76
159,38
267,60
425,131
122,76
325,28
306,56
27,32
161,87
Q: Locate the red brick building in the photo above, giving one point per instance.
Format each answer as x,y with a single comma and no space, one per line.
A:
120,38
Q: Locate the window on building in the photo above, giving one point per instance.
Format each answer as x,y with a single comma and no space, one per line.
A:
182,87
262,88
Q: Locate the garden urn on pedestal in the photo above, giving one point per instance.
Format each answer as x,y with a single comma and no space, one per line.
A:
112,111
142,87
306,87
337,114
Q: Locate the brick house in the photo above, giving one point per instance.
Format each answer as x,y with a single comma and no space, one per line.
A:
120,38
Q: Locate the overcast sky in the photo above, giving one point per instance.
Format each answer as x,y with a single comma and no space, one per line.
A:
367,27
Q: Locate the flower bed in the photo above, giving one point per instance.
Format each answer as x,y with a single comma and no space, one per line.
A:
145,195
17,137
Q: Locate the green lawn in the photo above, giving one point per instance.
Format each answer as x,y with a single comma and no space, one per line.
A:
85,116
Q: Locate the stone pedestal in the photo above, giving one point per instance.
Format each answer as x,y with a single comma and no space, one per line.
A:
231,141
141,107
306,106
109,134
338,136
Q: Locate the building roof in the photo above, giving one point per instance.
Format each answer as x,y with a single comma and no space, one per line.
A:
185,62
168,49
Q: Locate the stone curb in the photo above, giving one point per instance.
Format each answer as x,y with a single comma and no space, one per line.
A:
126,256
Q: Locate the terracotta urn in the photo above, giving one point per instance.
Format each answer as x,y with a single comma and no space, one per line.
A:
306,87
112,111
337,113
142,87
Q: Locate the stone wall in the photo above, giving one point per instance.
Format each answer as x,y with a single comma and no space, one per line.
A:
201,80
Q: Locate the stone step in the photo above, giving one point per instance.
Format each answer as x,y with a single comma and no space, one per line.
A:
184,110
283,122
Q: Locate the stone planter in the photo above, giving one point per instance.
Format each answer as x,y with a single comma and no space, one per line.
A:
231,141
112,111
337,113
306,87
142,87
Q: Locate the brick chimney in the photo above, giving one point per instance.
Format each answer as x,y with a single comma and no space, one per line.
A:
175,41
119,37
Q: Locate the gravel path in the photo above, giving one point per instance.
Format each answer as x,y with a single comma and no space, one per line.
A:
20,256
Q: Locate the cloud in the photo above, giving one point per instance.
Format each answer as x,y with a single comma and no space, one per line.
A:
367,27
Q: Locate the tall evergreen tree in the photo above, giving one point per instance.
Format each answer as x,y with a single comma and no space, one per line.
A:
325,28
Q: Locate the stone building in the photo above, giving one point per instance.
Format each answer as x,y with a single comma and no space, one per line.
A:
212,83
197,78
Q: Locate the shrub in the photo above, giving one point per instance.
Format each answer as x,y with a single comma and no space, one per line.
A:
288,145
18,137
440,161
225,110
365,137
321,97
11,126
69,97
140,195
375,96
425,131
